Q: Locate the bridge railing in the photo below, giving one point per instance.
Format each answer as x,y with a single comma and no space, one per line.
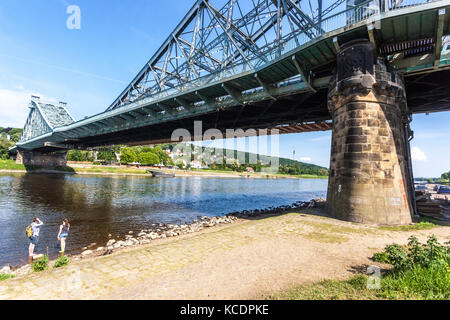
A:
275,50
389,5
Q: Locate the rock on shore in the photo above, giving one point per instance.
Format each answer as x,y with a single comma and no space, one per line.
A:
161,231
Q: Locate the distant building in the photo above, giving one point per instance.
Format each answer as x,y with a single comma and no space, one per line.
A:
5,133
196,164
250,169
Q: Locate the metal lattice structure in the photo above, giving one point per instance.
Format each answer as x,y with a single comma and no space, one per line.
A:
211,42
44,118
260,64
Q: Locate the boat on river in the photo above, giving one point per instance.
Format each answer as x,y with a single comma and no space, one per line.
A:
161,174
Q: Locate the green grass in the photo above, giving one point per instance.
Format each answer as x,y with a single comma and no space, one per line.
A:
10,165
303,176
40,265
420,283
4,276
412,227
61,262
352,289
101,169
425,223
420,271
432,283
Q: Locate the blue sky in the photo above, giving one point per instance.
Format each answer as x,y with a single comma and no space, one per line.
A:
88,68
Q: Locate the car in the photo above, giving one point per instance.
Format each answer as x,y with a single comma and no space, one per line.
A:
421,187
444,189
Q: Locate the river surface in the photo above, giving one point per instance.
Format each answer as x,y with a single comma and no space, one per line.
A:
97,206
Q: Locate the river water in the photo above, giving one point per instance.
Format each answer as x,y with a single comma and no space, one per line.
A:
97,206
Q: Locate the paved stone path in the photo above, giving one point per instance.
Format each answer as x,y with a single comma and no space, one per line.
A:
250,259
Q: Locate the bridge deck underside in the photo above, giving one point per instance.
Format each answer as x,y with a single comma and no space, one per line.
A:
289,111
426,92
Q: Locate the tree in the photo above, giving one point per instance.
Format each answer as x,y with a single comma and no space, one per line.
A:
4,149
128,155
106,154
75,155
15,134
445,176
148,158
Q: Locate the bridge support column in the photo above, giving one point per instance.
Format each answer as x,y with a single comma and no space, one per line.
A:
369,170
34,158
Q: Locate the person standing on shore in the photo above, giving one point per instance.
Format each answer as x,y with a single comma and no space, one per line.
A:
63,234
34,238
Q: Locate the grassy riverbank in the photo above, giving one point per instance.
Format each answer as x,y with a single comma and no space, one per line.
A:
10,165
416,271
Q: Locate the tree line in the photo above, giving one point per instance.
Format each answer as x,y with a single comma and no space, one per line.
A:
127,155
5,144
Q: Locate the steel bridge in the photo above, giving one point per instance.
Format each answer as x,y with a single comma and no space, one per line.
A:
258,64
360,68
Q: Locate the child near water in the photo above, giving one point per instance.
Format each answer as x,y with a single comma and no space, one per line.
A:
63,234
35,227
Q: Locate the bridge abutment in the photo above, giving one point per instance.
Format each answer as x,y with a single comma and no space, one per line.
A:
34,158
369,172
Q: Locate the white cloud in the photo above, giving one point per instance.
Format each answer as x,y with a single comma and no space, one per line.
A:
305,159
14,106
418,155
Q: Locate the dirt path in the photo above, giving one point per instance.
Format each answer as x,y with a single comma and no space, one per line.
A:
251,259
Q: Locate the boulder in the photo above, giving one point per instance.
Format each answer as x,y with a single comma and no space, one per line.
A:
5,270
110,242
100,248
86,253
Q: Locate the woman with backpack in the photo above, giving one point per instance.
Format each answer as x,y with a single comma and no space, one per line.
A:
63,234
33,235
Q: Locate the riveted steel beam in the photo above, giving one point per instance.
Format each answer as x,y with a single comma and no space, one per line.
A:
439,33
265,86
302,74
234,93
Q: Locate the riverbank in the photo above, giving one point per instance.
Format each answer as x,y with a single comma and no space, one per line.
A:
256,257
162,231
8,166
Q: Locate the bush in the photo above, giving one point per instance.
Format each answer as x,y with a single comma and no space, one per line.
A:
106,154
419,269
148,158
128,155
61,262
40,265
4,276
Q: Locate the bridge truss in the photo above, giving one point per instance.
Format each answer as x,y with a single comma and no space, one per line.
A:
264,64
212,42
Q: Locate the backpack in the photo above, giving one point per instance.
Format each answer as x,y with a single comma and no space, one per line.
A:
29,231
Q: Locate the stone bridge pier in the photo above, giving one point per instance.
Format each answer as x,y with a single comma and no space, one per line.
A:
34,158
370,174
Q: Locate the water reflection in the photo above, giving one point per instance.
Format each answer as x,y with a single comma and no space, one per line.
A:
100,205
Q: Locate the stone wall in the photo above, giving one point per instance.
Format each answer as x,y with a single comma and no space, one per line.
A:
33,158
368,168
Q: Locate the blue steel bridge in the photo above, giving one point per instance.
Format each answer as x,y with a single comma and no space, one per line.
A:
257,64
360,68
